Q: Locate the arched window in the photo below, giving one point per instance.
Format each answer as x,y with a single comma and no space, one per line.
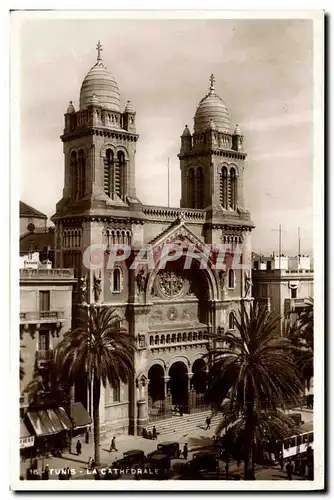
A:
108,171
151,340
117,392
168,339
233,188
162,339
179,337
156,340
231,283
190,337
173,338
116,280
224,188
200,335
231,321
199,188
184,337
75,173
81,174
195,336
191,188
119,175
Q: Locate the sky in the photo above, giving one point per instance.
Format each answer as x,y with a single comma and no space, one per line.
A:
264,74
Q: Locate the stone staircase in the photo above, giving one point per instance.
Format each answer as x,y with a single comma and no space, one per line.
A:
183,425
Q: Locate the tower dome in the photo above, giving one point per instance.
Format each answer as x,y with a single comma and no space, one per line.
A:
212,108
102,84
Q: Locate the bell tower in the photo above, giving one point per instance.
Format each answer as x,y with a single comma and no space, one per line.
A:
99,144
212,159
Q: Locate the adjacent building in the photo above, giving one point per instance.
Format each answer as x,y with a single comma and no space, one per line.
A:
45,315
283,284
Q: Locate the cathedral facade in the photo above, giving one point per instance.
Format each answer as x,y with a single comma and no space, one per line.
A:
173,311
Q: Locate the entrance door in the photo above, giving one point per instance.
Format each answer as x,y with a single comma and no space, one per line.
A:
178,384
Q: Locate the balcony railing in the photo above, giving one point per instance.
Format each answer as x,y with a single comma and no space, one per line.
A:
41,316
46,273
163,340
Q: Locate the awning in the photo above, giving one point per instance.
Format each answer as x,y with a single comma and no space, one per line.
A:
26,439
49,421
80,416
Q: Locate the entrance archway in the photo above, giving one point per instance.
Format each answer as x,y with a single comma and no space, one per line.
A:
178,384
156,385
199,378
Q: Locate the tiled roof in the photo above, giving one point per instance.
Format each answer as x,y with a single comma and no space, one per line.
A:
39,240
28,211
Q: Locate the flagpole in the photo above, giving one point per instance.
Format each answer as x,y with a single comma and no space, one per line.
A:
168,170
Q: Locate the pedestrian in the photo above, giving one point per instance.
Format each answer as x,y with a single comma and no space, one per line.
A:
61,475
310,472
46,472
89,464
281,460
113,445
185,451
79,446
181,411
208,422
289,469
303,467
68,473
154,433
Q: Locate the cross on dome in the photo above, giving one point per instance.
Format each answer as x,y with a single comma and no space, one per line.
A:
212,83
99,50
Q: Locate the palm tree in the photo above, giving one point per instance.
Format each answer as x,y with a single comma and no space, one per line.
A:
270,429
22,372
101,350
253,366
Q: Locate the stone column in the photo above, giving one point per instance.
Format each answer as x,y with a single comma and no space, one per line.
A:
142,419
168,404
142,405
190,393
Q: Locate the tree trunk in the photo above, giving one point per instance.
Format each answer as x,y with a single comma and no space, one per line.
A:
249,448
96,419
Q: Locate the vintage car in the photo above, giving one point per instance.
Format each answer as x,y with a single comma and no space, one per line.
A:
130,458
157,466
169,448
203,461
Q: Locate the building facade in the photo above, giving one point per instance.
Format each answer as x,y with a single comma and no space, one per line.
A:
173,313
284,284
30,218
45,315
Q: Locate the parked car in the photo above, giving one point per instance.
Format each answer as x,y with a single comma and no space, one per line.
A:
203,461
130,458
157,466
169,448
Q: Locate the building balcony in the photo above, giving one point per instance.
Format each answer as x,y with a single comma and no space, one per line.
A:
47,275
41,316
184,339
44,355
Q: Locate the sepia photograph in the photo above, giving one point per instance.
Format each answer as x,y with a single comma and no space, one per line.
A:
167,177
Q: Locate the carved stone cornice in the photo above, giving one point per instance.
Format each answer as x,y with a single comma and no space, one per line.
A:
233,155
99,131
